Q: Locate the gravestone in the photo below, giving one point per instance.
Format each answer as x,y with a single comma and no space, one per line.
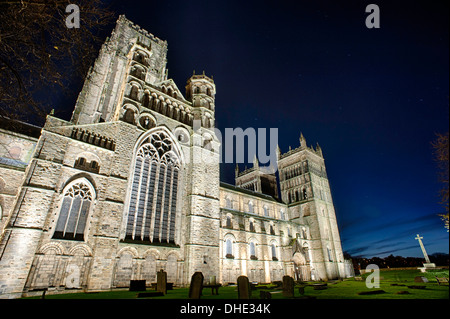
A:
301,290
196,287
244,291
265,295
161,281
420,279
321,286
372,292
137,285
149,294
416,287
288,286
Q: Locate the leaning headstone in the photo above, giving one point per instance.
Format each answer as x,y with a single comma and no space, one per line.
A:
288,286
244,291
161,281
196,287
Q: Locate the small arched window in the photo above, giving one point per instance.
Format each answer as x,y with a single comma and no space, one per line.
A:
146,100
77,201
129,116
134,92
228,203
229,224
305,235
250,207
266,211
282,216
305,194
207,145
252,226
274,252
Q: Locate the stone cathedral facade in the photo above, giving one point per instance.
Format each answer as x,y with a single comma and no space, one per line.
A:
130,185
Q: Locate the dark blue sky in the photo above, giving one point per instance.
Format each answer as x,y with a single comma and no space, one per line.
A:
372,98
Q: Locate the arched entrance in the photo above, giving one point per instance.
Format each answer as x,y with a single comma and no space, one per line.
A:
300,258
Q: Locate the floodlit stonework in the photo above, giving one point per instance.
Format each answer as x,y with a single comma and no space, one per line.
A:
130,186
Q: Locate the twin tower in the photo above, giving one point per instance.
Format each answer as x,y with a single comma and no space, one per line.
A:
129,186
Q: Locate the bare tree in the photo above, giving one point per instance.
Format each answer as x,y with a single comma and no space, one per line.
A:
440,146
40,55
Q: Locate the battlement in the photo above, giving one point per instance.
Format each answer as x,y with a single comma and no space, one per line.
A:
201,77
122,20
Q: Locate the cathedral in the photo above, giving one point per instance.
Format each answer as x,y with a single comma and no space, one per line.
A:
130,186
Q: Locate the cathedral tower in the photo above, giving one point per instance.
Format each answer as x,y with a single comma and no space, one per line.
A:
305,189
130,53
258,178
203,220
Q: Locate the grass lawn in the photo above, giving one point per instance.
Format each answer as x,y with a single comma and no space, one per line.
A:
391,282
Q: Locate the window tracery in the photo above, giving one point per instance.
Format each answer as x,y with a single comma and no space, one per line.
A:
152,204
74,211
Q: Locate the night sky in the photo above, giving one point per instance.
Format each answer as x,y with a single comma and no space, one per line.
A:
372,98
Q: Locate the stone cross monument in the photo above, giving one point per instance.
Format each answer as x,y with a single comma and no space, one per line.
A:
427,263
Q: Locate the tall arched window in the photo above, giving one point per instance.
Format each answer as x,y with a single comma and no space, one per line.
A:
153,197
330,256
229,248
73,214
252,251
274,252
